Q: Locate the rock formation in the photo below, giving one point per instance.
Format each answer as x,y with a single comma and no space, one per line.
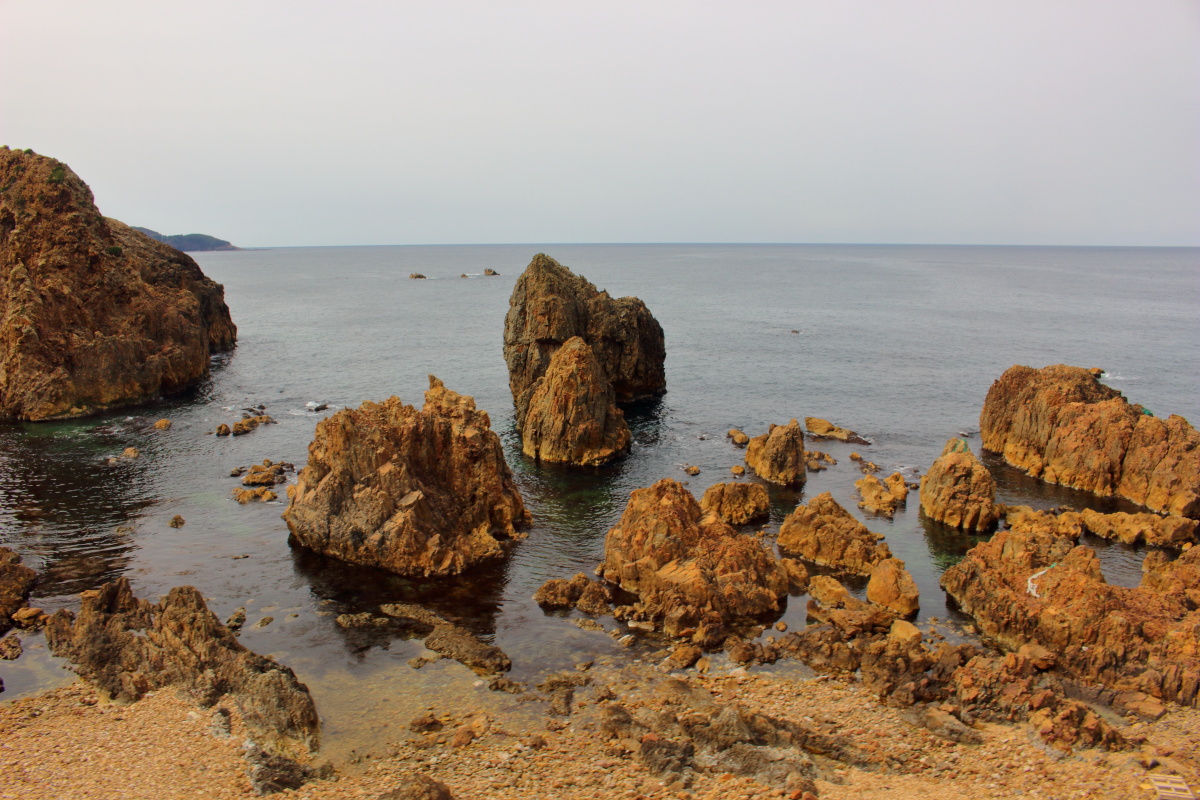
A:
590,597
550,304
882,497
1062,425
416,492
128,647
824,429
959,491
778,455
737,503
892,587
572,416
1038,588
689,568
1150,529
93,314
825,533
16,582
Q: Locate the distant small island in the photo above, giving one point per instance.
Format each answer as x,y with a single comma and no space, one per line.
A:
189,241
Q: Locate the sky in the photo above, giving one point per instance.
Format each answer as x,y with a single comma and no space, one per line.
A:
319,123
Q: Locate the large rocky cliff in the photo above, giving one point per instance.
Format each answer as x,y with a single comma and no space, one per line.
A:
93,314
1062,425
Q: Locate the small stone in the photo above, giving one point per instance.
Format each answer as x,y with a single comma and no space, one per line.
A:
162,425
129,452
177,521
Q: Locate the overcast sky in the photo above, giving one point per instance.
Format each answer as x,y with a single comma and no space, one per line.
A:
322,123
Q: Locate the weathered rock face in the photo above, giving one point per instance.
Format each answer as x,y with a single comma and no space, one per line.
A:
415,492
687,567
1151,529
882,497
892,587
959,491
825,533
16,582
737,503
824,429
572,415
1038,588
778,455
550,304
128,647
93,314
1062,425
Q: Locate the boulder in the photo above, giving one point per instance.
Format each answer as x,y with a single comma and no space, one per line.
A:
825,533
1060,424
1024,519
128,647
588,596
689,567
417,492
16,583
1151,529
959,491
778,455
892,587
550,305
824,429
737,437
572,416
95,314
1038,588
882,497
737,503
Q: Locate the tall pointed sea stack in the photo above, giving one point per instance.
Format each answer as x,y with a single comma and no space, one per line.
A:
550,304
93,314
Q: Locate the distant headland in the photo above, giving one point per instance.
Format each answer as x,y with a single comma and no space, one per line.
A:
189,241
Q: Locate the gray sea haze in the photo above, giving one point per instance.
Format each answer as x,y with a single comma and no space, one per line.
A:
898,343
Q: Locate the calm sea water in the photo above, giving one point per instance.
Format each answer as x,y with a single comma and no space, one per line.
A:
898,343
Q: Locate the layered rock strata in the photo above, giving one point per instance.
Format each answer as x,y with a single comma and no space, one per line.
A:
1038,588
1060,424
686,567
417,492
825,533
550,305
572,415
93,314
737,503
778,455
882,497
16,583
128,647
959,491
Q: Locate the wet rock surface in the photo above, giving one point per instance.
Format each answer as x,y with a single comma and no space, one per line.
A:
572,416
96,314
959,491
825,533
778,455
416,492
16,584
1060,424
550,305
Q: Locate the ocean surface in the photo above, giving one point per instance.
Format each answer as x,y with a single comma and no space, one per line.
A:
899,343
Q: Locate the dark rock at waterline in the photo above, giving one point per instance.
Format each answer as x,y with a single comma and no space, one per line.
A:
128,647
16,583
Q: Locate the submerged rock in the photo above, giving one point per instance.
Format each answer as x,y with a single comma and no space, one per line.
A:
959,491
572,415
128,647
825,533
550,305
737,503
1060,424
16,584
97,314
778,455
416,492
824,429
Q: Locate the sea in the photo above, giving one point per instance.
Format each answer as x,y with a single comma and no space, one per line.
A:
899,343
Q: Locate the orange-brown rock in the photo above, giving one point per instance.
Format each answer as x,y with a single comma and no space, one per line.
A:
1152,529
737,503
1024,519
417,492
16,582
550,304
262,494
824,429
590,597
1038,588
93,314
825,533
128,647
1062,425
687,567
572,416
882,497
778,455
959,491
892,587
737,437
